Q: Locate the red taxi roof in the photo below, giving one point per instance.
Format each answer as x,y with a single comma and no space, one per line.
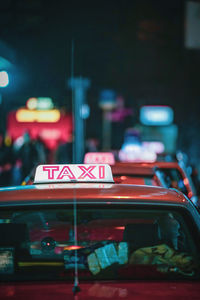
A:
163,164
132,169
40,193
143,166
147,168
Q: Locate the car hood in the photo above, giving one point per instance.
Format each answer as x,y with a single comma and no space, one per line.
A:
101,290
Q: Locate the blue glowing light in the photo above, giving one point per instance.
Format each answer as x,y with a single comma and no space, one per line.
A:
156,115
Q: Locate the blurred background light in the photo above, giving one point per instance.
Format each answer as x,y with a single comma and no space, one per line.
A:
85,111
40,103
156,115
157,147
4,79
31,103
135,152
44,103
25,115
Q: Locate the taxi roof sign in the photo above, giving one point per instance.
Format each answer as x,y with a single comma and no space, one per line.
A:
99,158
73,173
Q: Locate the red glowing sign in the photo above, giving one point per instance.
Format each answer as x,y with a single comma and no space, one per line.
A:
50,133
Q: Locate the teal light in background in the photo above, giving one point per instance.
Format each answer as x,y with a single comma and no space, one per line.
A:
44,103
4,79
156,115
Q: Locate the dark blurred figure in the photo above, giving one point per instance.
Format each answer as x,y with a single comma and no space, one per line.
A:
31,153
7,160
64,153
92,145
195,179
16,177
41,151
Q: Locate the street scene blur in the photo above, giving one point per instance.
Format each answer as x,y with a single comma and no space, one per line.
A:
99,103
69,87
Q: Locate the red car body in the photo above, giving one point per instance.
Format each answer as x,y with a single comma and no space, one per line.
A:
164,167
102,290
109,196
136,173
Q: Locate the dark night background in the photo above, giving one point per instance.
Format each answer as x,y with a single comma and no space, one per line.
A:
133,47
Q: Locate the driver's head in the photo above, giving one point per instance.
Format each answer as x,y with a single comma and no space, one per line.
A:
169,230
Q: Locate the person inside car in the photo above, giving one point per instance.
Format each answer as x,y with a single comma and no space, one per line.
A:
145,244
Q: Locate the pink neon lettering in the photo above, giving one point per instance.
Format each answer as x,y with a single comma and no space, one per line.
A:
101,171
51,170
87,172
66,172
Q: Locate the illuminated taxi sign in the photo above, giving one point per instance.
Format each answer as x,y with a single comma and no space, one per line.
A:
73,173
157,147
136,153
99,158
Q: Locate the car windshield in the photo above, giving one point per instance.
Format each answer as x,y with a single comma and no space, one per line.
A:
105,243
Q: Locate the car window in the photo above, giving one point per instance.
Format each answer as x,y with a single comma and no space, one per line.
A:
174,179
104,243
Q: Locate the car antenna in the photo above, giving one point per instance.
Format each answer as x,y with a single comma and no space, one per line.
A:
73,108
76,287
